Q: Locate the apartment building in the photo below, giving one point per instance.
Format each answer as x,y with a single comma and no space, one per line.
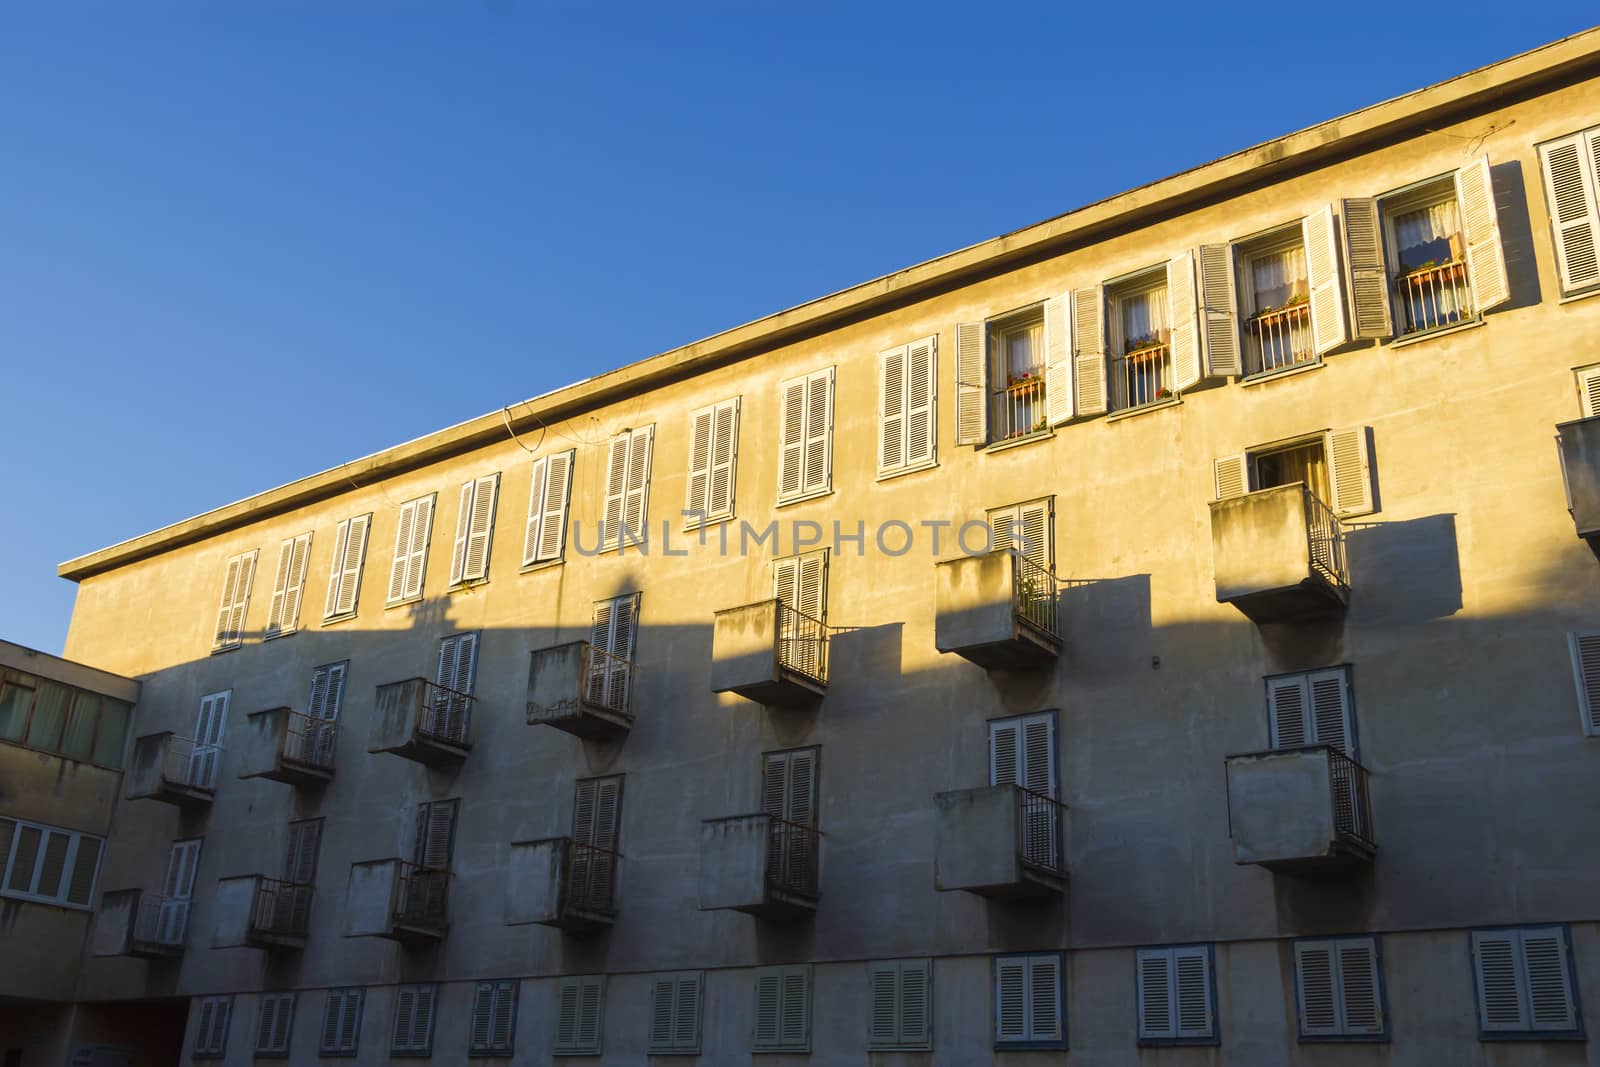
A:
1170,624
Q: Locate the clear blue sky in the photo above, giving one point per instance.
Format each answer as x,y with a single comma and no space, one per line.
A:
239,247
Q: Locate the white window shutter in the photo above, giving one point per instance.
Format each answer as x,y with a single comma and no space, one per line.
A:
811,585
686,1012
1184,339
1322,269
1058,358
567,1016
237,580
1232,476
1193,969
411,549
883,1019
536,494
1502,1003
1349,471
663,1002
792,444
1044,998
1360,1004
591,1006
503,1005
916,1003
724,460
280,589
819,432
891,409
546,535
436,825
1570,168
289,586
1010,1000
1005,763
616,492
1153,975
1219,318
1330,709
1288,705
402,551
1089,351
972,387
796,1020
769,998
1586,670
1314,963
458,556
1480,226
1368,276
482,1016
1544,961
1588,380
1037,529
636,504
480,529
922,401
698,486
344,575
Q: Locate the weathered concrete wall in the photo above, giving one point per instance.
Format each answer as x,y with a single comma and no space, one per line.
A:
533,880
973,601
976,838
555,680
733,862
744,646
258,740
370,898
1259,542
1280,805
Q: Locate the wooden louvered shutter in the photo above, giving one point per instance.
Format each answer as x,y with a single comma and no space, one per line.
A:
883,1021
1038,544
590,996
1218,315
436,825
1480,227
1497,968
300,865
236,583
1287,706
699,483
891,409
546,536
1044,998
1038,754
785,579
792,445
182,863
922,413
402,551
801,806
208,728
344,578
327,691
1549,979
636,502
405,1014
288,585
769,997
1232,476
474,530
1571,166
1192,967
724,459
1349,471
1154,980
916,1003
819,432
972,390
616,492
1330,710
202,1032
811,586
422,1016
686,1013
1322,270
567,1015
1005,763
1089,350
795,1020
662,1004
1010,1000
1005,529
464,517
483,1016
1586,670
458,661
1588,380
1184,340
503,1012
1058,358
1314,963
1370,313
411,549
1360,1005
607,813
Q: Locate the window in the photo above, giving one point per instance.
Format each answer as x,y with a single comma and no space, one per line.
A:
1335,465
1312,708
300,864
288,587
612,634
206,751
177,890
800,584
322,708
341,1022
469,561
908,405
1586,668
1142,337
1176,996
211,1032
1275,302
1028,528
240,572
56,718
627,507
48,865
1022,752
450,715
344,572
545,540
413,1020
436,834
494,1018
713,463
675,1012
902,1005
274,1023
596,828
1017,374
578,1016
1014,372
1571,167
1029,1001
783,1009
1339,989
805,449
1523,977
411,550
789,797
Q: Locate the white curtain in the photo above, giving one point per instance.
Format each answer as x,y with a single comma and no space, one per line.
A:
1278,277
1145,315
1425,234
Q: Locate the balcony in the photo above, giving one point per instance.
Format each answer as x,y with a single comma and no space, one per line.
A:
260,912
760,865
1433,296
132,923
422,721
1279,555
1279,338
398,900
282,745
1018,408
770,653
1142,376
1579,444
1300,811
1000,841
581,690
173,770
559,882
997,610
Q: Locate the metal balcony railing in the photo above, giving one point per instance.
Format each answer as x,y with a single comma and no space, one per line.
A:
280,908
1352,804
441,713
608,681
1278,338
185,763
1325,541
1019,407
592,878
802,644
1142,376
1034,594
161,921
422,896
309,740
1433,296
793,850
1039,830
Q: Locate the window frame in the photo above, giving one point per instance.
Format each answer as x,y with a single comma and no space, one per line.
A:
340,565
1244,251
1170,952
1030,1042
697,518
412,1050
342,995
467,530
69,864
907,401
578,983
10,678
280,1052
781,974
1475,974
997,329
676,981
399,562
1380,991
1416,196
493,987
539,493
1140,283
825,378
204,1047
899,968
244,580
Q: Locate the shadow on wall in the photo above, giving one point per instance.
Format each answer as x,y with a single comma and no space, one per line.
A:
1409,572
1516,234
